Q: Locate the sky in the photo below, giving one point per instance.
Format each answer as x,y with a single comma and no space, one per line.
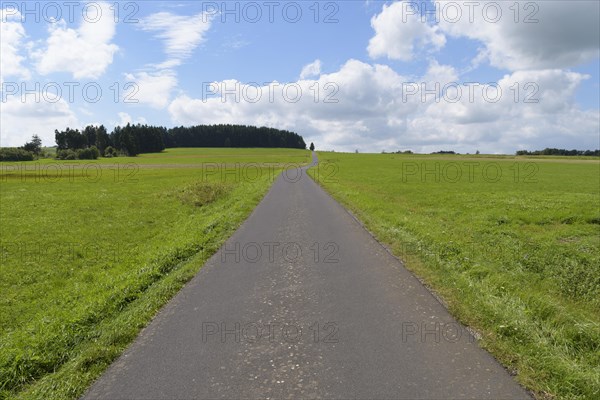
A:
372,76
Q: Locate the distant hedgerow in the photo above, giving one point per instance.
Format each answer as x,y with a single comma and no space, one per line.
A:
15,154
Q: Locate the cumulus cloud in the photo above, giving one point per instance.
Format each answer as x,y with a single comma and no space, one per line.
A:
365,91
348,107
514,35
524,109
22,119
535,104
152,88
540,35
311,70
85,52
398,31
437,72
125,119
373,108
12,35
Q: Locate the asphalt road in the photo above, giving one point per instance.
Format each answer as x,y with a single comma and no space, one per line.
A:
303,303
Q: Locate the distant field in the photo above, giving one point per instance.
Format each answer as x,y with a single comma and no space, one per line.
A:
207,155
512,245
90,250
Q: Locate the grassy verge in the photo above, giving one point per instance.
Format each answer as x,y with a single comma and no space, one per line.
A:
91,250
512,245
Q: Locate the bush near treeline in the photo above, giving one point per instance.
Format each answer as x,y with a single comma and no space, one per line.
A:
15,154
28,152
131,140
559,152
90,153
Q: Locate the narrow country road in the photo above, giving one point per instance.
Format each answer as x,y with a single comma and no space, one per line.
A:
303,303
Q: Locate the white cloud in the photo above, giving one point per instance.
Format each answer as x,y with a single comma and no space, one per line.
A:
515,35
440,73
366,95
12,34
375,112
153,88
541,113
567,33
22,119
397,31
180,34
84,52
366,92
311,70
125,119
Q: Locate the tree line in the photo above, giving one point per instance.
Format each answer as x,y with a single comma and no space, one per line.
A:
232,136
132,140
559,152
95,141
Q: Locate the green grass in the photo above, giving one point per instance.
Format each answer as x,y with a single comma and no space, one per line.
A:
90,250
191,156
515,256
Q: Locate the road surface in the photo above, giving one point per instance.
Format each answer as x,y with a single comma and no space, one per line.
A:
302,302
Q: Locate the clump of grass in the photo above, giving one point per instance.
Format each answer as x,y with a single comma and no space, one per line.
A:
200,194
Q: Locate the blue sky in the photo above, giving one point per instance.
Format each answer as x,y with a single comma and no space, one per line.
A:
380,70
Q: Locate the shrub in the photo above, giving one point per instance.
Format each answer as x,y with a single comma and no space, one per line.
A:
110,152
90,153
67,154
14,154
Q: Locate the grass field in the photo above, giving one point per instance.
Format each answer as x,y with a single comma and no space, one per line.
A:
90,250
511,244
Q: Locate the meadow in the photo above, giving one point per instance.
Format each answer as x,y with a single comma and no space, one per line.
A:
510,244
90,250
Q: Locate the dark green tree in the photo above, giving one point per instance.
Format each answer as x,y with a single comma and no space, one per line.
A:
70,139
61,139
312,146
124,140
90,135
35,146
102,139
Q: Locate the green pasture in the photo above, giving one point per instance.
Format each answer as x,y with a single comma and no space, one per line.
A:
90,250
511,245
